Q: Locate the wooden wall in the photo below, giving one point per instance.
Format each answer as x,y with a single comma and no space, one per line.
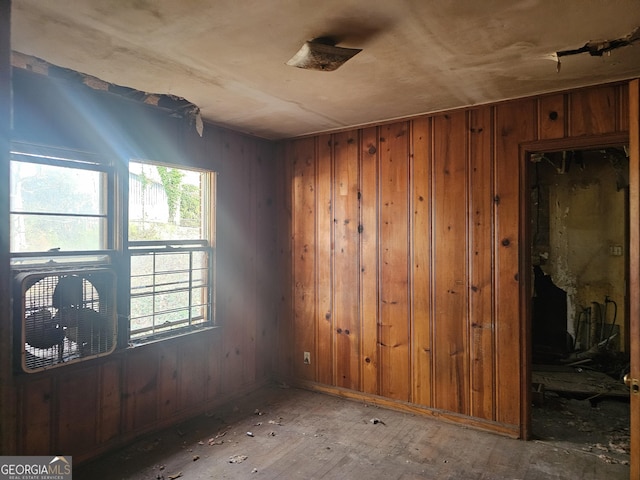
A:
87,408
402,253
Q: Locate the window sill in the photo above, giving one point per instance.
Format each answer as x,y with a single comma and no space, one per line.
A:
169,338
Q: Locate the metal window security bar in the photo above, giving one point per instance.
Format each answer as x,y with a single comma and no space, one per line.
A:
171,288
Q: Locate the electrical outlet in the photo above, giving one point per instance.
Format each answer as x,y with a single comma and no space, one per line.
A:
307,358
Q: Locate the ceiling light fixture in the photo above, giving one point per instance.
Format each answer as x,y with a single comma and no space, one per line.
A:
322,54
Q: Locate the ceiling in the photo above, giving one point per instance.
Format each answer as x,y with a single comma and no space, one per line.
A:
229,57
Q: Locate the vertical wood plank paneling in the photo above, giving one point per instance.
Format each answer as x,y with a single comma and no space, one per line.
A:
514,123
394,262
422,263
451,356
168,380
324,356
346,220
634,268
214,374
35,413
480,263
623,107
77,413
236,274
284,239
551,117
250,247
192,372
232,239
304,254
369,265
110,415
141,387
592,111
266,261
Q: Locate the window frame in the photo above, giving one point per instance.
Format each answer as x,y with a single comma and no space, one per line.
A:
76,159
118,249
208,230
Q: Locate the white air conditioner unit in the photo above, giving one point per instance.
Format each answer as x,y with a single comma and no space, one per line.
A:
64,316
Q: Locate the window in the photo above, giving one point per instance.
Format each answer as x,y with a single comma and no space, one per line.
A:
170,233
65,224
61,237
59,204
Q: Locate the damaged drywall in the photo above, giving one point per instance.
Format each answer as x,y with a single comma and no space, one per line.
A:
580,240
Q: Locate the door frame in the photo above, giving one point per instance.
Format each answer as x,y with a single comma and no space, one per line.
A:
634,270
526,149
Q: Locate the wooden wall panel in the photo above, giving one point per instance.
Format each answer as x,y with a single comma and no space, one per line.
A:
346,263
110,417
77,412
214,372
514,124
192,373
593,111
35,412
481,251
168,379
634,270
266,270
438,292
304,255
369,259
324,353
552,118
140,394
236,268
394,262
249,250
423,262
285,337
623,108
450,298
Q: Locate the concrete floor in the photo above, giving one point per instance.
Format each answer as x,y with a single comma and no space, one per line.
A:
286,433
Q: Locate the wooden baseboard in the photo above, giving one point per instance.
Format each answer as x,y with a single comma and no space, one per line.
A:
511,431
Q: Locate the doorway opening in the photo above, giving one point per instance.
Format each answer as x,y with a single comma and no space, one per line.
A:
579,238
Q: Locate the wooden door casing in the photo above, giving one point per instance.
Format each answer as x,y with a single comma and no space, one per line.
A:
634,268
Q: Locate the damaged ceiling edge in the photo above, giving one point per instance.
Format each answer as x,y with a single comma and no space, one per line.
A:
598,48
176,106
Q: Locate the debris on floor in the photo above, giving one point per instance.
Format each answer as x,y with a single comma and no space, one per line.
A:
237,458
323,436
578,381
573,423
